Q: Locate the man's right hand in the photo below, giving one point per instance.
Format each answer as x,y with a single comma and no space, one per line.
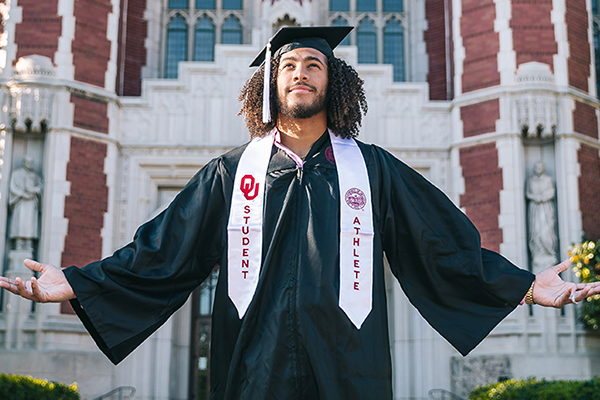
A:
52,285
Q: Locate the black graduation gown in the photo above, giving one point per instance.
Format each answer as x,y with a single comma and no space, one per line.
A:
294,341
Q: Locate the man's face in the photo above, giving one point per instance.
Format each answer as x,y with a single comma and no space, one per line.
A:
302,80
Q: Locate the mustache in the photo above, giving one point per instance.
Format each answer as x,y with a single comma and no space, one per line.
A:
289,88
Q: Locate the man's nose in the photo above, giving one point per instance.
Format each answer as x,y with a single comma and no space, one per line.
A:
300,74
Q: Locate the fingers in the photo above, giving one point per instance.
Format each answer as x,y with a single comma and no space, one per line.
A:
34,265
22,290
563,266
35,289
9,285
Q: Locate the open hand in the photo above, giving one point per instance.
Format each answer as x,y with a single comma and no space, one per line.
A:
551,291
52,285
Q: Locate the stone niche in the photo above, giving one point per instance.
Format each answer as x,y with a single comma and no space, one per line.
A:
467,373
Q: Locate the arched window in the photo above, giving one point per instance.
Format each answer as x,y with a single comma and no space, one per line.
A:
176,45
366,5
232,4
339,5
204,39
366,38
339,21
393,48
393,5
175,4
231,32
205,4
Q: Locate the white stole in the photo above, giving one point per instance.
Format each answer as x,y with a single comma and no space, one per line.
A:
244,229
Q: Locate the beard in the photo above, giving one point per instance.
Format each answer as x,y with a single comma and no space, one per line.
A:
302,111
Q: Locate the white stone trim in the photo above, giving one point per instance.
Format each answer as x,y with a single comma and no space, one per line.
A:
63,58
557,16
507,57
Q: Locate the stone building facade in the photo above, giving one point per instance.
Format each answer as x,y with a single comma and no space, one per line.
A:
120,102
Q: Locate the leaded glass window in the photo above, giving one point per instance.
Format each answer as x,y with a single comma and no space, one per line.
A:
205,4
380,33
392,6
176,45
204,39
339,5
339,21
175,4
232,4
366,38
231,33
366,5
393,48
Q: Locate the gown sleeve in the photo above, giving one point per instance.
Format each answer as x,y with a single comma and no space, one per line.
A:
434,251
124,298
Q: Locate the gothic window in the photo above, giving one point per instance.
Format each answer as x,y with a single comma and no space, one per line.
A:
339,21
232,4
392,6
231,33
366,40
339,5
175,4
393,47
204,40
176,45
380,33
216,22
366,5
205,4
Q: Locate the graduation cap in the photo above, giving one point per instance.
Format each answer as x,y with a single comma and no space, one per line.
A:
288,38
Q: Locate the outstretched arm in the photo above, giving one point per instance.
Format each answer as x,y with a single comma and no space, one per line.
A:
52,286
551,291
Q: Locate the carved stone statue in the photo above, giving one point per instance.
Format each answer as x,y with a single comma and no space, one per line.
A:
23,201
542,220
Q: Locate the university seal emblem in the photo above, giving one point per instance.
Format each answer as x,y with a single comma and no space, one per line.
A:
355,198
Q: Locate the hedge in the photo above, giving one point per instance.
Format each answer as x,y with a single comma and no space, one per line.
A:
533,389
18,387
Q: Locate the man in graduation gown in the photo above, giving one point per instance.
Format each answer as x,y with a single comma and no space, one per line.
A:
294,337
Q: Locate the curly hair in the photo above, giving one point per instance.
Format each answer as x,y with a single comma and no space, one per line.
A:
346,100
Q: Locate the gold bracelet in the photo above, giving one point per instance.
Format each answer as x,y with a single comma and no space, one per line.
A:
529,295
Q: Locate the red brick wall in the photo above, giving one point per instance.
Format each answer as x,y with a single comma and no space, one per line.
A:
132,50
480,118
589,191
533,31
585,120
483,183
481,43
435,41
91,48
86,205
90,114
39,30
579,47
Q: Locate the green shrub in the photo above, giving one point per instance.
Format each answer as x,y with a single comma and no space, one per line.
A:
533,389
17,387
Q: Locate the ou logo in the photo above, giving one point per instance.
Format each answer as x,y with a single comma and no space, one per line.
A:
248,185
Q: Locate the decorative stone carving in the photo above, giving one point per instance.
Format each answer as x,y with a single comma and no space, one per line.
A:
30,101
24,201
536,110
470,372
32,66
541,218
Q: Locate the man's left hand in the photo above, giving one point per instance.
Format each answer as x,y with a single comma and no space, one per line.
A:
551,291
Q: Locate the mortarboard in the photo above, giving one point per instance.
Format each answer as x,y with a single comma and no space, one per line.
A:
288,38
